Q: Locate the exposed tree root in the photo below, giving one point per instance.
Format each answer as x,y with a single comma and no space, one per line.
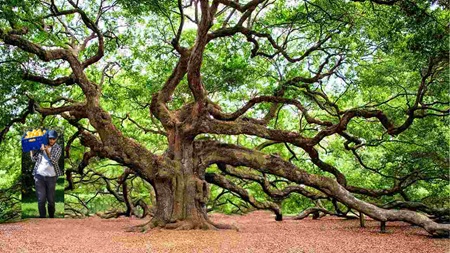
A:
180,225
149,225
225,226
141,228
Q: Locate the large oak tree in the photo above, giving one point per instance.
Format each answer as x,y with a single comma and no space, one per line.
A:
257,91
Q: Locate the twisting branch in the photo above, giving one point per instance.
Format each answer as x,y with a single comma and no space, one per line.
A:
314,211
439,214
158,105
212,152
230,117
239,7
274,107
77,108
10,202
92,26
250,35
358,157
22,117
67,80
274,193
176,41
196,57
112,186
227,184
146,130
14,39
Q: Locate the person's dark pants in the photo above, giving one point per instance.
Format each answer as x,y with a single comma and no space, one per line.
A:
45,191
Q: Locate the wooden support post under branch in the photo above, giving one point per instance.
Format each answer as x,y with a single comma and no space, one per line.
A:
316,215
362,220
383,227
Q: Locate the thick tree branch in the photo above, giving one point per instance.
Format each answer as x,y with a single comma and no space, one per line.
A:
44,54
233,116
227,184
67,80
239,7
159,100
76,108
250,35
274,193
196,57
238,156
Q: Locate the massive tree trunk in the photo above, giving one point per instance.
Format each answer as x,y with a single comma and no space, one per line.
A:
181,203
181,198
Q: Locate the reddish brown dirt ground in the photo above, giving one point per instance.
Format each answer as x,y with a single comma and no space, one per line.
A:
258,232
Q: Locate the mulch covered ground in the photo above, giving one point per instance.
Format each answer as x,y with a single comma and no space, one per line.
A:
258,232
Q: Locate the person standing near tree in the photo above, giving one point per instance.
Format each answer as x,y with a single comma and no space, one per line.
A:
46,171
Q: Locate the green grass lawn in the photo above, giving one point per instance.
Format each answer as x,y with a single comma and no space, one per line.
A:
30,205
